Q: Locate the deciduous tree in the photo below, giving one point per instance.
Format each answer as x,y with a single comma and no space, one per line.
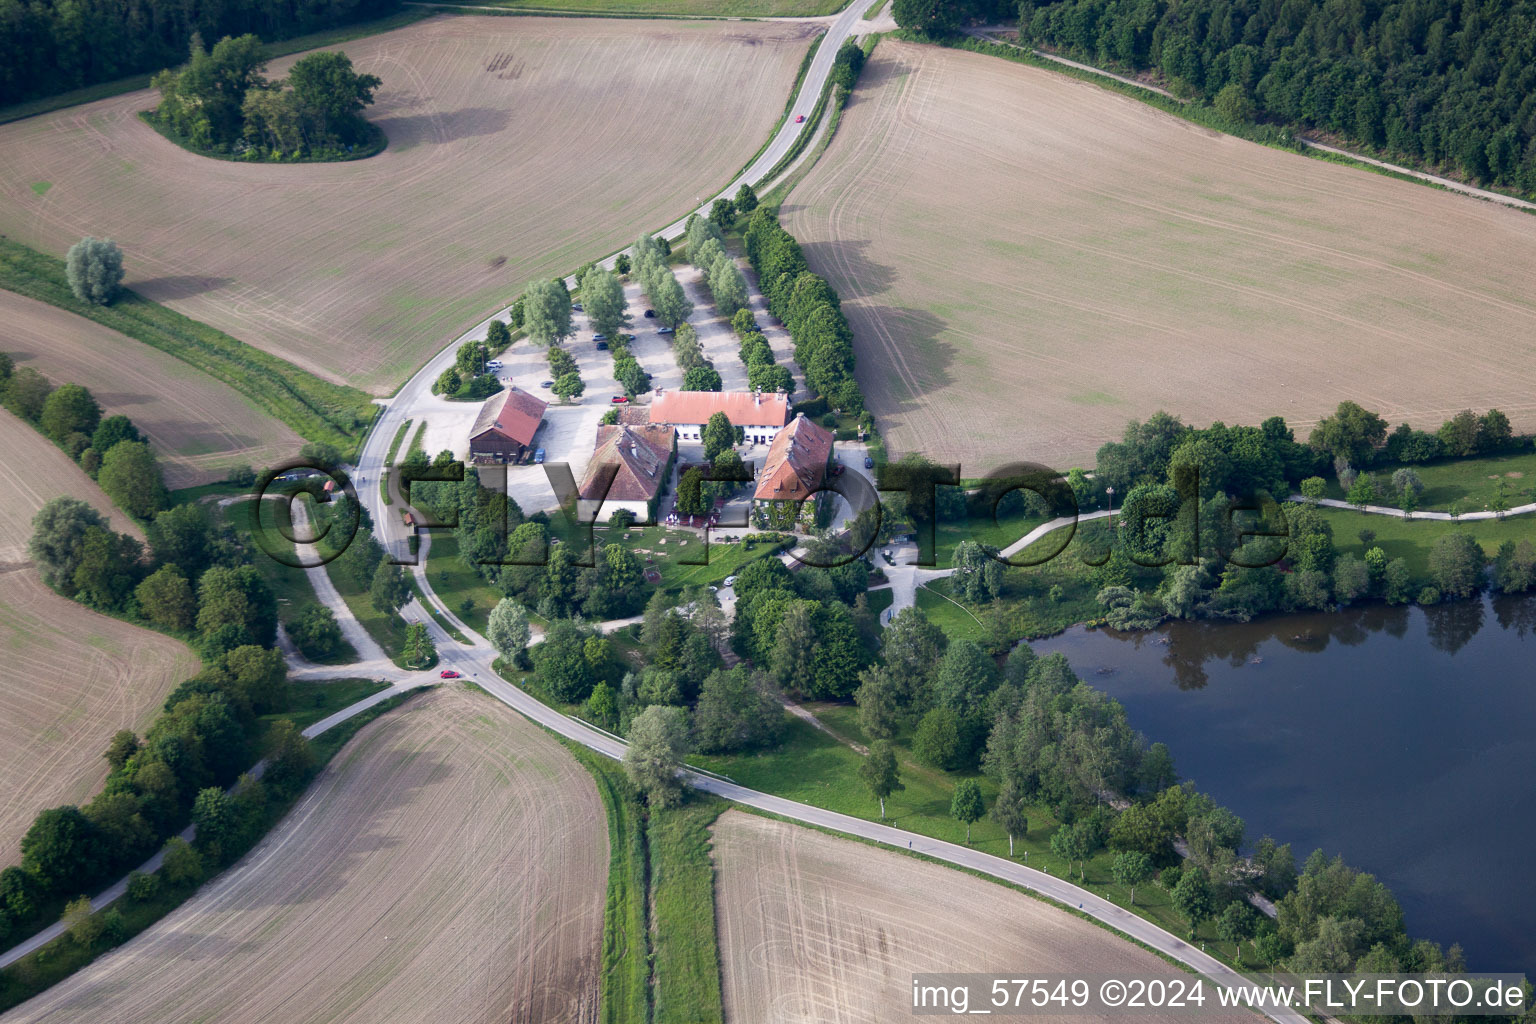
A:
880,772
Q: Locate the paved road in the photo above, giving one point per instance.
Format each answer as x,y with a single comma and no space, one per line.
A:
1388,510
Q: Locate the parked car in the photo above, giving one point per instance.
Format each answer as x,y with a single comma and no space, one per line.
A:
664,330
714,589
869,462
650,314
447,673
620,399
576,306
602,346
538,457
494,364
599,337
627,337
547,384
730,581
799,119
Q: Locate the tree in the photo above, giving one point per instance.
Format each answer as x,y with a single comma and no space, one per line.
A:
81,923
602,298
621,265
746,199
1362,492
330,94
26,392
658,739
736,711
131,477
1070,843
315,632
723,212
880,772
1237,923
690,493
931,17
389,589
728,286
718,435
743,323
1458,435
978,576
1131,868
667,297
58,536
702,377
123,746
547,312
937,740
181,863
965,677
1456,564
1351,433
291,759
497,337
70,409
214,818
237,598
420,650
1009,811
62,848
508,630
879,701
165,598
1192,897
94,268
568,386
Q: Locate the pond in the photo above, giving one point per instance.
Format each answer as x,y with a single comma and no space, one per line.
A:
1402,738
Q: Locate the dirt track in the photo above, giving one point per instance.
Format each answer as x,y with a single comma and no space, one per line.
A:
198,426
519,147
448,867
1029,261
819,929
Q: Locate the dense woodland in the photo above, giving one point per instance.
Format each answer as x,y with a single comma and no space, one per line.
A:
1442,83
50,46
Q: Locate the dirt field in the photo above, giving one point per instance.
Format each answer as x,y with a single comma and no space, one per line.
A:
819,929
519,147
1029,261
33,471
69,678
447,867
198,426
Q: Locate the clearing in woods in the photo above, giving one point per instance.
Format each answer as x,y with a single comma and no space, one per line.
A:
69,678
1028,261
199,427
447,866
814,928
518,148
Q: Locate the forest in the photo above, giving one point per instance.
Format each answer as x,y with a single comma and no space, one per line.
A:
1445,84
51,46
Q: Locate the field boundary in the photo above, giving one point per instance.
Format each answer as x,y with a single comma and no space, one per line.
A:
270,51
315,409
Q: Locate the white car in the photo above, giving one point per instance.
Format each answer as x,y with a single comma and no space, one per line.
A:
730,581
494,364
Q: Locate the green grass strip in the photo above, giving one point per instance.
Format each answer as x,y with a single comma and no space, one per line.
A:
687,954
316,409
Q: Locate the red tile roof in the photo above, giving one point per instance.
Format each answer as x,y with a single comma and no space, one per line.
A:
633,457
796,464
514,414
742,408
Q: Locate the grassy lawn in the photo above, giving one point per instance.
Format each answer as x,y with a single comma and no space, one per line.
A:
880,600
957,622
309,702
709,8
289,585
1411,540
687,952
316,409
1473,482
998,533
455,581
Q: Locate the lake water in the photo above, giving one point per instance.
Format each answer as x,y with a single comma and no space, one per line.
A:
1403,738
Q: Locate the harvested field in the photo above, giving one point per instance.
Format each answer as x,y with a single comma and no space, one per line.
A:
519,147
198,426
814,928
32,472
71,679
447,866
709,8
1029,261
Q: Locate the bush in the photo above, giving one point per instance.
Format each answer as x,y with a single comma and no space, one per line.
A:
94,269
141,887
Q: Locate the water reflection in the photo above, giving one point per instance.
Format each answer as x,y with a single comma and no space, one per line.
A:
1399,737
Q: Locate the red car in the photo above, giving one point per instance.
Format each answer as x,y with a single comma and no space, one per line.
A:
620,399
799,119
447,673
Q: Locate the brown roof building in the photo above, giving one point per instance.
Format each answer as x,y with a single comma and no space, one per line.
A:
761,416
505,427
797,463
627,470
